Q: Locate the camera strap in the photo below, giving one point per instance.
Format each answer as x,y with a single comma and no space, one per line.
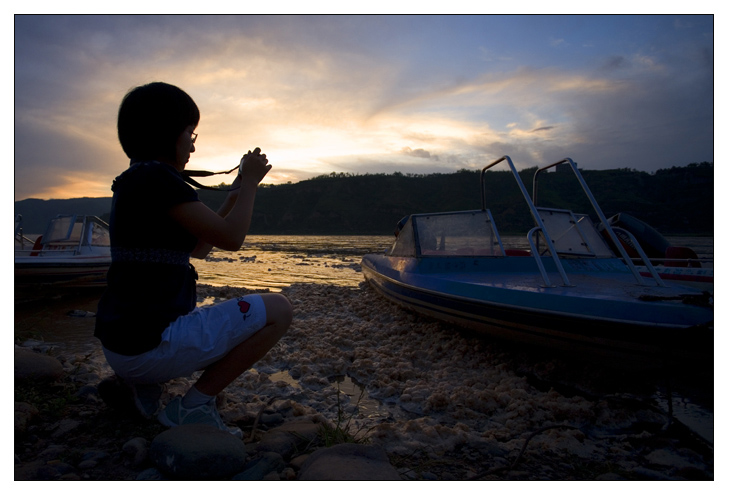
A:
186,175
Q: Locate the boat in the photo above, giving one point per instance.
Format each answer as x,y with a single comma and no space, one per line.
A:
74,251
568,290
672,263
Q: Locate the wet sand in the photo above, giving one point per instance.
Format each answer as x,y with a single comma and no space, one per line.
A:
443,403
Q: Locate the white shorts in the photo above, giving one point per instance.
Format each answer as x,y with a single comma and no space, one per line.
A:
194,341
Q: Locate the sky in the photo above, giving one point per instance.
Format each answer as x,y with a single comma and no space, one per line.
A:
366,94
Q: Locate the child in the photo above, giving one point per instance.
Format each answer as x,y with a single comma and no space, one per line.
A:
147,320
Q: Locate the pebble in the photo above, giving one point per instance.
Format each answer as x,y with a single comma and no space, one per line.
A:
24,415
150,474
259,468
290,438
95,455
136,449
462,406
63,427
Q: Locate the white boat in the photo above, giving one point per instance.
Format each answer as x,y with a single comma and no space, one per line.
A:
74,251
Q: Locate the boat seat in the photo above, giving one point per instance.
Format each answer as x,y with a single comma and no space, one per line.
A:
686,255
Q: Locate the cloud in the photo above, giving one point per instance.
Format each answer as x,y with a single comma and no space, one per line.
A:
556,41
323,94
420,153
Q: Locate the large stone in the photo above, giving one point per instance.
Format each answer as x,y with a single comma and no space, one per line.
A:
198,452
349,462
36,367
289,439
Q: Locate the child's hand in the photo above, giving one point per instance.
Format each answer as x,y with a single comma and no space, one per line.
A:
253,166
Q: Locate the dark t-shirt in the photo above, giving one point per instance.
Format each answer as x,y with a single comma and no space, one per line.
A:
150,281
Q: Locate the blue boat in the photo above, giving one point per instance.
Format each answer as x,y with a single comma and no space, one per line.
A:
568,289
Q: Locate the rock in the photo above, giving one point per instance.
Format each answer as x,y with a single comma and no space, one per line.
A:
81,313
609,476
150,474
54,470
63,427
137,450
289,438
39,346
198,452
91,458
87,393
272,419
288,474
349,462
643,473
298,461
259,468
52,452
667,458
24,415
28,471
36,367
87,378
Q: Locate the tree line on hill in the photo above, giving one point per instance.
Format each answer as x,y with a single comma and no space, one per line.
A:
675,201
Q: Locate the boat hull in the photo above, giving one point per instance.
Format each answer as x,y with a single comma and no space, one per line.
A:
567,319
67,272
74,251
699,278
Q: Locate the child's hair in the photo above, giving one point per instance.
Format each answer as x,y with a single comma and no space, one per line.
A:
151,118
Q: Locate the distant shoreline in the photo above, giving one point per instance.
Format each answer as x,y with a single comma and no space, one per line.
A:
676,202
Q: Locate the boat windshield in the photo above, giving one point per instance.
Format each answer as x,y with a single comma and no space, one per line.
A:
98,233
470,233
68,230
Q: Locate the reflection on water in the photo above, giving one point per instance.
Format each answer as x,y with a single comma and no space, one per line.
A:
274,262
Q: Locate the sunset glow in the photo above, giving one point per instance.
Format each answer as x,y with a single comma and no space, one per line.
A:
366,94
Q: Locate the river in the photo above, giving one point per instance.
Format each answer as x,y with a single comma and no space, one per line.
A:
274,262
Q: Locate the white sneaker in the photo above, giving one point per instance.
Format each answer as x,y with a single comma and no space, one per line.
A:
175,414
147,398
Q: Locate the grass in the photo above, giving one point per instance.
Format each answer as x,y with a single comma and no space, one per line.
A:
49,399
344,431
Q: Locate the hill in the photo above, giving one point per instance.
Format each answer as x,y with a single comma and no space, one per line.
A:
679,200
36,213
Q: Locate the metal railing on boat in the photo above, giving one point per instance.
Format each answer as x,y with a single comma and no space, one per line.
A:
537,219
541,228
601,216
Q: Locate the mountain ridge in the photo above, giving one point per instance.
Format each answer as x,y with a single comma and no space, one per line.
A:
675,201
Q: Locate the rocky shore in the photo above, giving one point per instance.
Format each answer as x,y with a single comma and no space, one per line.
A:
357,390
